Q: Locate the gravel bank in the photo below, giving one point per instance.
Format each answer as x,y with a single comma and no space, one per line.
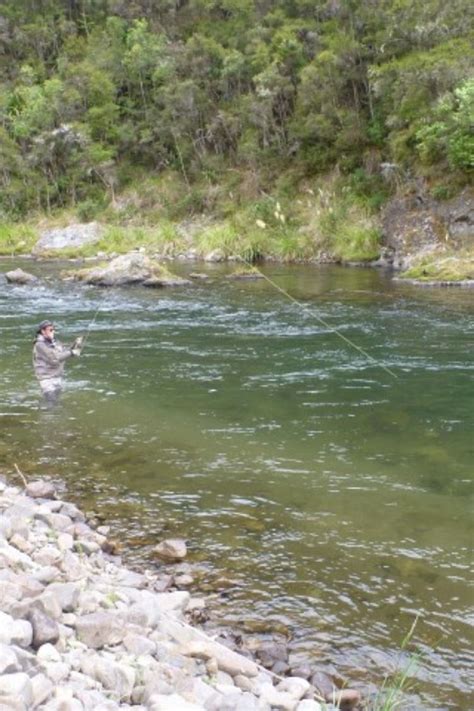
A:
80,631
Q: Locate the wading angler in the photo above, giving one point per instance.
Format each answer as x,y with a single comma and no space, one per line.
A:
49,357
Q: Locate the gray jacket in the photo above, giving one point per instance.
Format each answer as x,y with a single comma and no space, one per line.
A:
49,358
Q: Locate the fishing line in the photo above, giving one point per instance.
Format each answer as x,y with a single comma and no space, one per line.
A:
319,318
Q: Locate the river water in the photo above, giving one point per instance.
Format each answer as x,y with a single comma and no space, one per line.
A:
318,493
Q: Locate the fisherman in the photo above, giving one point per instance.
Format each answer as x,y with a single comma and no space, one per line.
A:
49,357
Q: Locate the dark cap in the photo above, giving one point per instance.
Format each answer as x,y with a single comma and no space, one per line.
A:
44,324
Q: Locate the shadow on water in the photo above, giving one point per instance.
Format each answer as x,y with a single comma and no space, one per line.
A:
333,499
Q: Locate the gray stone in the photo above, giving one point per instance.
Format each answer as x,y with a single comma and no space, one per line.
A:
309,705
100,629
66,594
173,702
17,686
5,527
57,521
217,255
280,700
57,671
18,276
8,660
46,574
45,629
171,549
71,566
47,556
119,678
42,688
138,645
226,659
48,653
12,631
72,511
11,557
40,490
295,686
345,699
74,235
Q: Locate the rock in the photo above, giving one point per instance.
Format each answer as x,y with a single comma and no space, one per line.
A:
131,268
199,276
226,659
75,235
344,699
100,629
116,677
294,686
48,653
217,255
57,671
309,705
6,529
138,644
18,276
40,490
323,684
42,688
8,660
171,702
45,629
65,594
171,549
183,581
12,631
17,686
280,700
11,557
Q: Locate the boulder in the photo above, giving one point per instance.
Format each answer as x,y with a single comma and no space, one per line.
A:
45,629
171,549
131,268
74,236
41,490
18,276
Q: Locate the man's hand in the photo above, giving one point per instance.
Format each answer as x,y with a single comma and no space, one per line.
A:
76,347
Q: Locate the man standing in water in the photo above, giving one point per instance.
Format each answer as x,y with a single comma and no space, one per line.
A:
49,357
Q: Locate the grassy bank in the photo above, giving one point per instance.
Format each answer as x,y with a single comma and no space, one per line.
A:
298,220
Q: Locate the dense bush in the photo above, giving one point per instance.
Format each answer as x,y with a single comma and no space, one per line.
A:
89,87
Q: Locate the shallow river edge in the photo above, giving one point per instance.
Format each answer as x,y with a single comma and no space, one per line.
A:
79,630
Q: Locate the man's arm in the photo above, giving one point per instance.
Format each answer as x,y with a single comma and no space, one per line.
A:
52,356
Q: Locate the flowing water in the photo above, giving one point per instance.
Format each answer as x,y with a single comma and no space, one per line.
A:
318,493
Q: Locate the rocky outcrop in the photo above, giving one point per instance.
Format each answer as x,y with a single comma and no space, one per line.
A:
131,268
73,236
415,226
80,632
18,276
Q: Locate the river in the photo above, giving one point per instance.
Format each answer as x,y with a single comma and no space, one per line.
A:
320,491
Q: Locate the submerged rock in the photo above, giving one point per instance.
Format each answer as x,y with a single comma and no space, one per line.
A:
18,276
171,549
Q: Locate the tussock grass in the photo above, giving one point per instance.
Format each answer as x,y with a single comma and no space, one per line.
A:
17,239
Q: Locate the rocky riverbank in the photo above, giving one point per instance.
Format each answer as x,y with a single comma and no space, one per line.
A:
80,631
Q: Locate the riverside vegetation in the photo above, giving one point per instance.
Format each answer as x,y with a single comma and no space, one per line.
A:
268,129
